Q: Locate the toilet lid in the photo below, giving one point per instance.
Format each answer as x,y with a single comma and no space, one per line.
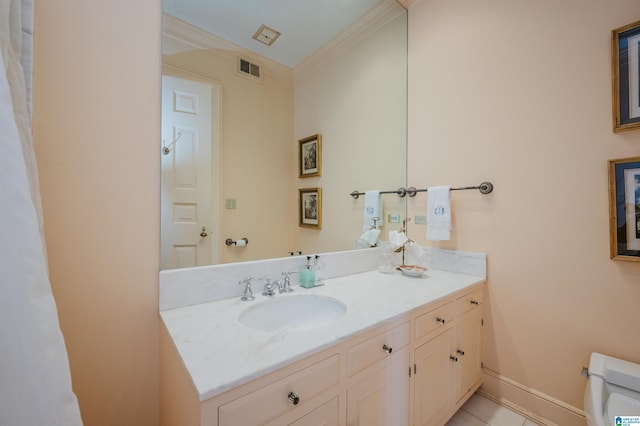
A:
621,405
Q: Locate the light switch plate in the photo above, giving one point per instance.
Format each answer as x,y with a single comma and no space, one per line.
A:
421,220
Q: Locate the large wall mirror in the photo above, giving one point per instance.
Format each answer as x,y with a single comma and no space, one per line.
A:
243,83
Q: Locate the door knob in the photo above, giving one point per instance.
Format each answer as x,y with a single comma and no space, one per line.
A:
204,232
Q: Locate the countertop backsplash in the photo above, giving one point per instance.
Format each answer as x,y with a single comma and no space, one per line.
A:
191,286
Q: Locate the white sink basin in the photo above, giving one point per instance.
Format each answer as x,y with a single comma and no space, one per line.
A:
293,313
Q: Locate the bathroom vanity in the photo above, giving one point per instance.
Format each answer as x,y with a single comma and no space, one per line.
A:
406,351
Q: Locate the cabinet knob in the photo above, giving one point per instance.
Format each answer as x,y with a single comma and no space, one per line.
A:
293,398
387,349
475,302
440,320
453,358
460,352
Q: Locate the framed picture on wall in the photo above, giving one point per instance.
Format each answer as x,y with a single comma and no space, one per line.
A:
625,46
310,208
310,156
624,208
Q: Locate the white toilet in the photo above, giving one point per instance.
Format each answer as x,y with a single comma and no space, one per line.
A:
613,390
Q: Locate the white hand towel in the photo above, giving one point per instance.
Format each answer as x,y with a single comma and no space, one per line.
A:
397,238
372,208
439,213
371,236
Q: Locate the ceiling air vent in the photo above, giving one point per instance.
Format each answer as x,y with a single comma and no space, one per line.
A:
247,67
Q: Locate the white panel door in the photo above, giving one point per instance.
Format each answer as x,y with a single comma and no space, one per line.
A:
186,174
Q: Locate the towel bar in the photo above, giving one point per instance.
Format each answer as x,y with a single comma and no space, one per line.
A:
484,188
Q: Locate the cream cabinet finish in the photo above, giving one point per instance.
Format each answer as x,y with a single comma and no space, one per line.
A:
382,397
407,371
325,415
272,401
433,380
448,362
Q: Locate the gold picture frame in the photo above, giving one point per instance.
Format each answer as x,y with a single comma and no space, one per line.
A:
624,208
625,46
310,156
310,208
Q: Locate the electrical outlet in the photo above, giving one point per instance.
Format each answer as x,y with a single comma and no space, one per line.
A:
394,218
420,220
230,203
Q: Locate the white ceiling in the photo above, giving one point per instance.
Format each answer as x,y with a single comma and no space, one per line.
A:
306,25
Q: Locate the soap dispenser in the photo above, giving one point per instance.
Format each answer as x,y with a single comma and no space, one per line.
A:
307,275
318,265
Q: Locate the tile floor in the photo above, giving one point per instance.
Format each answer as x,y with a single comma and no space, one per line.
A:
480,411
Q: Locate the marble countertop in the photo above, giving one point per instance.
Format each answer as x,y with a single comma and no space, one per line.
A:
221,353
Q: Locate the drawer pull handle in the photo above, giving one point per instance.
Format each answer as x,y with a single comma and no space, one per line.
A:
453,358
460,352
387,349
475,302
293,398
440,320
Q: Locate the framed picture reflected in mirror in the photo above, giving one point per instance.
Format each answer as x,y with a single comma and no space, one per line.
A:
310,156
310,208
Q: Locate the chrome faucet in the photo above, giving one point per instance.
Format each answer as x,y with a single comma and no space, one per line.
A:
248,293
269,287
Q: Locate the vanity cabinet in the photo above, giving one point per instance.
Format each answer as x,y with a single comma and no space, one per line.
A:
416,369
280,397
380,393
469,347
448,359
326,415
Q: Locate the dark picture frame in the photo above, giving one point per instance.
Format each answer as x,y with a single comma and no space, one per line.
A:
624,208
310,208
625,47
310,156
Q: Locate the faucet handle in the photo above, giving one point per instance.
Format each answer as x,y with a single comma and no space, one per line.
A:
286,288
248,293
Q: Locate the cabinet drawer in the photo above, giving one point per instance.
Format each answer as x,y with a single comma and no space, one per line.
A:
328,414
272,401
470,301
433,320
373,350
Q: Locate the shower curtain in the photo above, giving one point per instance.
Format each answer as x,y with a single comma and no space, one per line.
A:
35,380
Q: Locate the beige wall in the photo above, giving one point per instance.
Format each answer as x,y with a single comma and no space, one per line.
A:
357,101
519,93
96,133
514,92
256,159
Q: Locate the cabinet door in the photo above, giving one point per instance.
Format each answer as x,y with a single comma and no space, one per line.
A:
468,351
325,415
383,397
433,380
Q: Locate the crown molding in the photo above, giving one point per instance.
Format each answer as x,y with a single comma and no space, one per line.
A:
190,36
371,22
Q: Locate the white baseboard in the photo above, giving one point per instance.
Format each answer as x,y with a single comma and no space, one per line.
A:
534,405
